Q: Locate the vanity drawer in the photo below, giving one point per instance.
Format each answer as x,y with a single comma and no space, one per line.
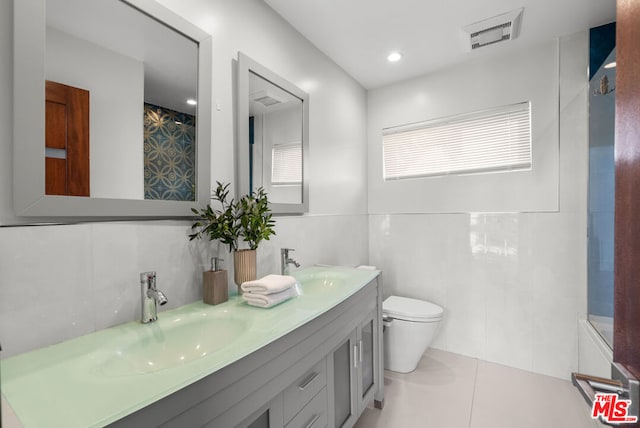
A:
314,414
298,394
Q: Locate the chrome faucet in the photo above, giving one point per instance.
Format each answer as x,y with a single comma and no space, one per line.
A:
285,260
151,297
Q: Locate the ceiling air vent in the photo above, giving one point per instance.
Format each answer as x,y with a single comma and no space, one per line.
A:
493,30
266,98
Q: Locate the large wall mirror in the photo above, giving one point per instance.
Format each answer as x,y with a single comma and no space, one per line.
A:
112,110
273,137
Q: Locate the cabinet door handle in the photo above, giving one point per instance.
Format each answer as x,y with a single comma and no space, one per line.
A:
307,381
360,350
313,421
355,356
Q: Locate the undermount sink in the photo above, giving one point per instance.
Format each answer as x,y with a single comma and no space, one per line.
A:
168,343
321,281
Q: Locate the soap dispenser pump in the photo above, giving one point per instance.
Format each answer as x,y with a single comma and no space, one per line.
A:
214,284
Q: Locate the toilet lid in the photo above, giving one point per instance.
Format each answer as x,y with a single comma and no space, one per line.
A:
408,309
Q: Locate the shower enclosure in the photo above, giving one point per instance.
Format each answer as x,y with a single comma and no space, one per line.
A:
602,76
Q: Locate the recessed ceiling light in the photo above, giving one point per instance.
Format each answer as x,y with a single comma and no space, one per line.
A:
610,65
191,102
394,56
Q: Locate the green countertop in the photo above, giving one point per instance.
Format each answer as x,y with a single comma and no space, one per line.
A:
96,379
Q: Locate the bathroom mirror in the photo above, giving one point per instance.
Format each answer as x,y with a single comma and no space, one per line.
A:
138,64
273,137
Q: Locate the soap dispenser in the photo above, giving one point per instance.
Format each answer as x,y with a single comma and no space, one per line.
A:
214,284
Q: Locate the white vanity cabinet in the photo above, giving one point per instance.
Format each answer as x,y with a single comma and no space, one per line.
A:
322,374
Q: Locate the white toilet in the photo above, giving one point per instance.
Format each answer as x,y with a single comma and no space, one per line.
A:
410,324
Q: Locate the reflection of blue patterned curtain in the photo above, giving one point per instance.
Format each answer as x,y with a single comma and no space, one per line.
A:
169,154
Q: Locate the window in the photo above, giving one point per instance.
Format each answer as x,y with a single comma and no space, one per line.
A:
286,164
487,141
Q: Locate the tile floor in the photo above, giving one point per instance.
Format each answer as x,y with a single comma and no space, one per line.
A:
453,391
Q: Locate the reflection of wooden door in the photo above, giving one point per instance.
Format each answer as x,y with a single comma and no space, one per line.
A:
626,350
67,140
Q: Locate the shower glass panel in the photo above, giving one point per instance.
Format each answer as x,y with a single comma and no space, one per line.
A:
602,75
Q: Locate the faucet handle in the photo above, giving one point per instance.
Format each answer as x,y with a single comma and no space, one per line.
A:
285,251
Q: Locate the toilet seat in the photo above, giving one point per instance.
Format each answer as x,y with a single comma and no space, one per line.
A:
404,308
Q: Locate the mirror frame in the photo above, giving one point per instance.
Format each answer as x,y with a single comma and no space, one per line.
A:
245,66
29,198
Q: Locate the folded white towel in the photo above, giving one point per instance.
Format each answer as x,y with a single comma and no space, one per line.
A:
269,300
269,284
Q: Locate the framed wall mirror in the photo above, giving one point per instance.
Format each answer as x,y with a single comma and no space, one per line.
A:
273,137
112,110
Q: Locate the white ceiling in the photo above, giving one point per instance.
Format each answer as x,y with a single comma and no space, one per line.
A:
358,34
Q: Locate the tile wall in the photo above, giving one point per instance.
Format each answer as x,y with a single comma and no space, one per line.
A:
59,282
513,285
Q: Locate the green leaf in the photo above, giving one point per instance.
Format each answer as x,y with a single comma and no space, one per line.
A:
248,218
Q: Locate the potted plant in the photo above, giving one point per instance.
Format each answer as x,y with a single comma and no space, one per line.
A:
247,221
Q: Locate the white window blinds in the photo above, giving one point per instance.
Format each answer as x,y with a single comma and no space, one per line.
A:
486,141
286,164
